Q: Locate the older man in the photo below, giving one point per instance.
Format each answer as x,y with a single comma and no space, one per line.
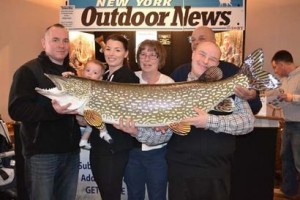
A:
50,140
200,163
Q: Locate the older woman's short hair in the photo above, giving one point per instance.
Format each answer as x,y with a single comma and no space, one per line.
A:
157,47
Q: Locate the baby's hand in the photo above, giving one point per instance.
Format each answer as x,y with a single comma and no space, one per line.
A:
66,74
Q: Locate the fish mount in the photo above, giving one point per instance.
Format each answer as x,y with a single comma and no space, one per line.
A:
154,105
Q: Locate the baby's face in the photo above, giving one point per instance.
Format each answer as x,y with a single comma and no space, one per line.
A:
93,71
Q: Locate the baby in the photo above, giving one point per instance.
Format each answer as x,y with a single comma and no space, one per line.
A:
94,69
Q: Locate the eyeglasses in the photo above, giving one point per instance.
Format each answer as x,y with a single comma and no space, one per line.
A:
150,56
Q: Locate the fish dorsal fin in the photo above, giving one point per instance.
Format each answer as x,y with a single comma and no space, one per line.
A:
180,128
93,118
211,74
227,105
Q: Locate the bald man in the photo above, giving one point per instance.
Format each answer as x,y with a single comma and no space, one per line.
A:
199,164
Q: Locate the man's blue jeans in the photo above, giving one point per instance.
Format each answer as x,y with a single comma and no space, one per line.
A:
52,176
290,157
146,167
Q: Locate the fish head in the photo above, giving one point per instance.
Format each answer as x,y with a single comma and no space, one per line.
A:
70,89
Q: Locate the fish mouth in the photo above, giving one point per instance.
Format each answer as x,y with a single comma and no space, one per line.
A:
53,91
57,80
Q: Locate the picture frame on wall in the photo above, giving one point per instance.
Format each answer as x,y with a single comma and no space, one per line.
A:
231,44
82,49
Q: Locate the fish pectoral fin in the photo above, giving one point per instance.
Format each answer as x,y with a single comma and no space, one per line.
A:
180,128
93,118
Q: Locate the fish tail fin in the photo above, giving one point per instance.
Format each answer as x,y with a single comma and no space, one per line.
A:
258,78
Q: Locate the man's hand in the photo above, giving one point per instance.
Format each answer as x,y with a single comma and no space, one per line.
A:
63,109
244,93
288,97
162,129
127,126
199,121
66,74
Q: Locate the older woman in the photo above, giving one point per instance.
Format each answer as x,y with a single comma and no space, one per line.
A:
147,164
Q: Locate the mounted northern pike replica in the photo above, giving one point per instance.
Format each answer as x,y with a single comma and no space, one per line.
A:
154,105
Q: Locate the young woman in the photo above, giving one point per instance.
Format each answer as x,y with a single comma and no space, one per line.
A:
108,161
